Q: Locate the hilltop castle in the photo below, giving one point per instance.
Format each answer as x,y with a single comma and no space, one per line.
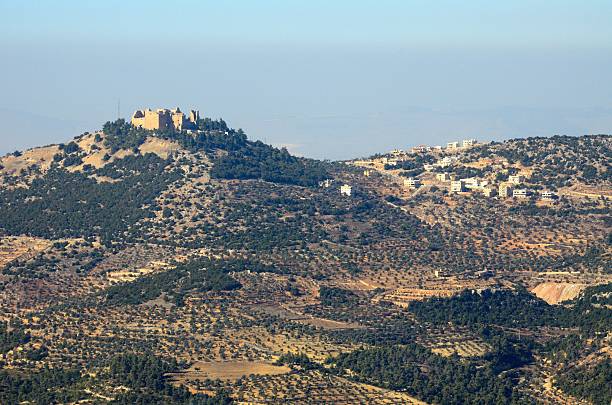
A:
163,118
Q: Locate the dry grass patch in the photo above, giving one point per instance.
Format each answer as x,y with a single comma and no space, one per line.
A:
227,370
20,247
161,147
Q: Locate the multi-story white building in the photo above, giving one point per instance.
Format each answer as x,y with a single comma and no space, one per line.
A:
452,145
457,186
466,143
412,182
504,190
548,195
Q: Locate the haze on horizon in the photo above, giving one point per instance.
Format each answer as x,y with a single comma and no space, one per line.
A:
326,79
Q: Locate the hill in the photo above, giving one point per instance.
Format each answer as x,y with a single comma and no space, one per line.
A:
176,254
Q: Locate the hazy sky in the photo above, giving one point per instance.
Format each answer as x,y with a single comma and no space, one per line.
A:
329,79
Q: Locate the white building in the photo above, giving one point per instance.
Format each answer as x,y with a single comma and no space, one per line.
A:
505,190
520,193
548,195
442,176
466,143
457,186
446,161
345,189
452,145
471,183
412,183
516,179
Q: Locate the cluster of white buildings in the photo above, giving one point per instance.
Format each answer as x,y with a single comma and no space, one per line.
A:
444,162
466,143
504,190
345,189
398,155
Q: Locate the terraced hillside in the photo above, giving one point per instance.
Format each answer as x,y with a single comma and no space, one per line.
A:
204,267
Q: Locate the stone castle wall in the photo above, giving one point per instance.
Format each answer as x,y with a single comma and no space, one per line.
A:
165,119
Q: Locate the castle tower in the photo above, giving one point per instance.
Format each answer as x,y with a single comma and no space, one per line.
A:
138,118
178,119
194,116
162,119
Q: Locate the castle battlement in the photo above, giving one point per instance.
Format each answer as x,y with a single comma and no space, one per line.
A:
163,118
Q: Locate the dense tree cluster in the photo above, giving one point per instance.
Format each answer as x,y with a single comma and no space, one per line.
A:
146,371
199,275
518,309
144,376
297,360
488,307
63,204
333,296
463,172
49,386
427,376
241,158
591,382
122,135
260,161
11,337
